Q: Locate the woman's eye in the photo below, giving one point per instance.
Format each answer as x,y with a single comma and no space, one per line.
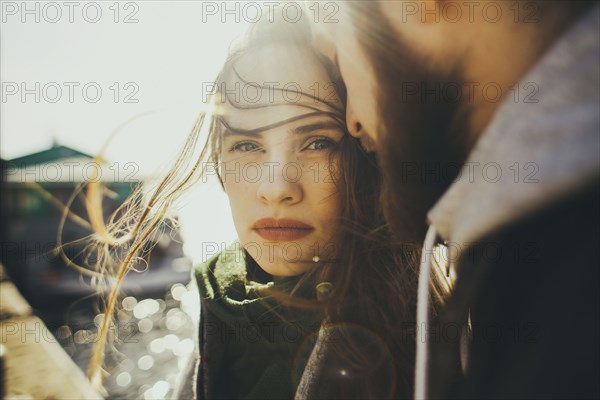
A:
245,147
321,144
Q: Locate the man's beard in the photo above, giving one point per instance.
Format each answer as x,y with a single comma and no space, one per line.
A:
423,137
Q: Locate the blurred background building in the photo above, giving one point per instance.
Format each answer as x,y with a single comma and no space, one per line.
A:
157,312
36,190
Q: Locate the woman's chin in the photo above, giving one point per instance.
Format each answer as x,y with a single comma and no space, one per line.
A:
283,269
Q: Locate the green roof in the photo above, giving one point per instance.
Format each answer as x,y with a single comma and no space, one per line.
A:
56,152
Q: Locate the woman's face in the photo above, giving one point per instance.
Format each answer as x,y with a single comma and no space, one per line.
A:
277,164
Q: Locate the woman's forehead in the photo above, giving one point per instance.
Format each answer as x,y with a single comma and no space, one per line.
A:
281,73
281,61
275,83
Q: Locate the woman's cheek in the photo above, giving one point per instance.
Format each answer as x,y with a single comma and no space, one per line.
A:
239,207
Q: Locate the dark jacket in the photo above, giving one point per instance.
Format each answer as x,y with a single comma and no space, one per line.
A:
528,233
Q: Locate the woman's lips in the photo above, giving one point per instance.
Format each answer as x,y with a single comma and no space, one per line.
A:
281,230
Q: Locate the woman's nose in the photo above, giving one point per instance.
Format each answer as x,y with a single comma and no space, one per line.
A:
281,185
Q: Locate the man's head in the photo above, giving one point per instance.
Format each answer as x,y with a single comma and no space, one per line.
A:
424,78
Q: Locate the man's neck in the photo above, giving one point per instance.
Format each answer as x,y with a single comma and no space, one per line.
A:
498,69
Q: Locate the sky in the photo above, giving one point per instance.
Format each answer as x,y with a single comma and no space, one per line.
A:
72,74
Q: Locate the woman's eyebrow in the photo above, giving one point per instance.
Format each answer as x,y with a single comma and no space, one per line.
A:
334,123
299,130
317,126
241,132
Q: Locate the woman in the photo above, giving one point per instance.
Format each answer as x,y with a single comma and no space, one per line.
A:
314,252
278,155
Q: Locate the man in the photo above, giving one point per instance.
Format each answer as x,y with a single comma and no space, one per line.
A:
509,90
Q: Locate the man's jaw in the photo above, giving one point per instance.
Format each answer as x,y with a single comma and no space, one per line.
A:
367,143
